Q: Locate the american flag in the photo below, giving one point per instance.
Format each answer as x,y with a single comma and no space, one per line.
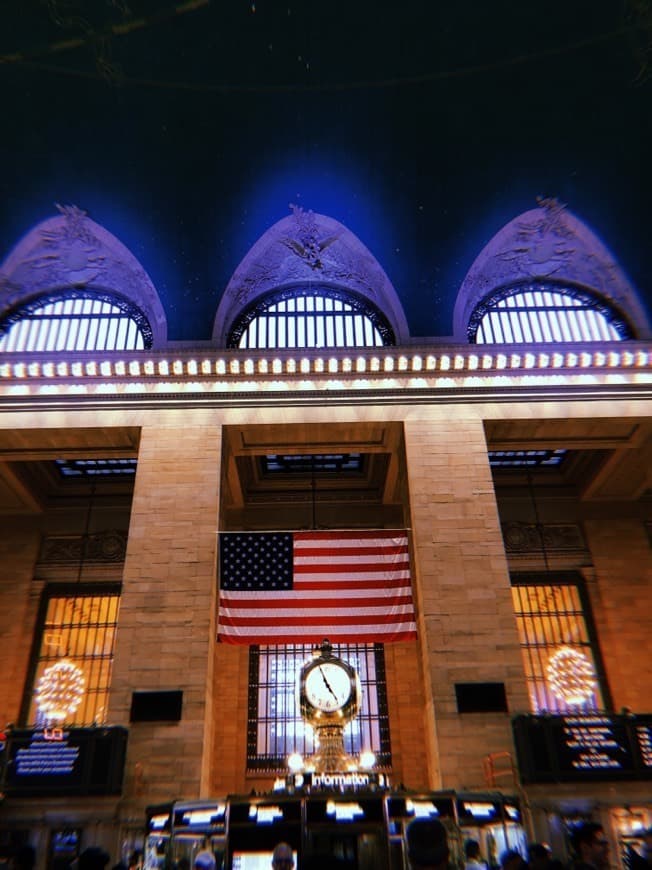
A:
300,587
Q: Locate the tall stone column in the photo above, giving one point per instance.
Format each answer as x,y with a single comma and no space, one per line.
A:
166,632
467,628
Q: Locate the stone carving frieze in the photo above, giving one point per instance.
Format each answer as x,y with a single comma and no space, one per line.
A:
304,251
531,538
72,251
108,546
547,243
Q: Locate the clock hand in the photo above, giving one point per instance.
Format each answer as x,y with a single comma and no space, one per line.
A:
327,684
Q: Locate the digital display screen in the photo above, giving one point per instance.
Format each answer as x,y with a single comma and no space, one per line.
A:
584,747
255,860
65,761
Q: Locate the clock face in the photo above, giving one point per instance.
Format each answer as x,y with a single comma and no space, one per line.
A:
328,687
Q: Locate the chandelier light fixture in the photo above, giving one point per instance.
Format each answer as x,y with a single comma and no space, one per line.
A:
60,690
571,676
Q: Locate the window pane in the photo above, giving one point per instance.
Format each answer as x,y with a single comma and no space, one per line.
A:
559,659
64,323
80,627
276,728
310,321
542,312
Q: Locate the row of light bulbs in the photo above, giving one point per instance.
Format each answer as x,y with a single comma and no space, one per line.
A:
318,365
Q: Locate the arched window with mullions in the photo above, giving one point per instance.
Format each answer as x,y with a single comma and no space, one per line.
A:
310,318
75,320
540,311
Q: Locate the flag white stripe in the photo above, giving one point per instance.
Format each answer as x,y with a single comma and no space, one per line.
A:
328,627
352,577
371,610
304,598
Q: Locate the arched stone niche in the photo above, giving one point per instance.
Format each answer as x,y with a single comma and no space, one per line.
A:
305,248
72,251
548,243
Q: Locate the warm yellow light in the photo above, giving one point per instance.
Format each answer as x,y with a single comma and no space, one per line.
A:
60,690
571,676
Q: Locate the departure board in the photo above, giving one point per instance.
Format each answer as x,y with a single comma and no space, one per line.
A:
584,747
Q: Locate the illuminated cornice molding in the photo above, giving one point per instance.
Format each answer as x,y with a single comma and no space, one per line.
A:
386,374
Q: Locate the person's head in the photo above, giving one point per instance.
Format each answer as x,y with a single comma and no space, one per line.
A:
511,860
282,858
93,858
427,844
472,850
590,844
205,860
538,856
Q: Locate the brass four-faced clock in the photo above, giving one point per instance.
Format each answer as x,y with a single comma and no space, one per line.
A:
329,698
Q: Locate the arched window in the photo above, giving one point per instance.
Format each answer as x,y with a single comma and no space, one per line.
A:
310,318
545,312
75,320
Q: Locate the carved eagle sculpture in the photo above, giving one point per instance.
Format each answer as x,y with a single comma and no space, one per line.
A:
310,250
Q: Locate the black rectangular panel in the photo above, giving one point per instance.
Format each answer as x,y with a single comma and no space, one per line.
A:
156,706
481,697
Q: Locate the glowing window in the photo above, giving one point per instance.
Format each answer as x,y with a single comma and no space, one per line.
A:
545,312
520,459
560,653
96,468
298,318
75,320
276,728
80,625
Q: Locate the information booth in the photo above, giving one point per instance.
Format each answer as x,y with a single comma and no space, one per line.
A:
257,824
351,828
494,821
176,832
401,809
158,834
363,828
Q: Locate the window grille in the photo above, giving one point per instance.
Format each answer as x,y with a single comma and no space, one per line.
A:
276,728
78,624
545,312
299,318
75,321
554,616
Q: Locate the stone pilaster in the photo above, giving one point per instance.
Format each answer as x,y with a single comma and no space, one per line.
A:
467,629
166,633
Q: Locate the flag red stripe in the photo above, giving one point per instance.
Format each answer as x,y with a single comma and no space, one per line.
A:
327,552
314,637
352,568
343,585
304,619
350,535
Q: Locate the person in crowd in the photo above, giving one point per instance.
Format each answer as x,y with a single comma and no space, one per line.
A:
205,860
538,856
136,860
590,846
93,858
282,857
510,859
427,845
473,861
